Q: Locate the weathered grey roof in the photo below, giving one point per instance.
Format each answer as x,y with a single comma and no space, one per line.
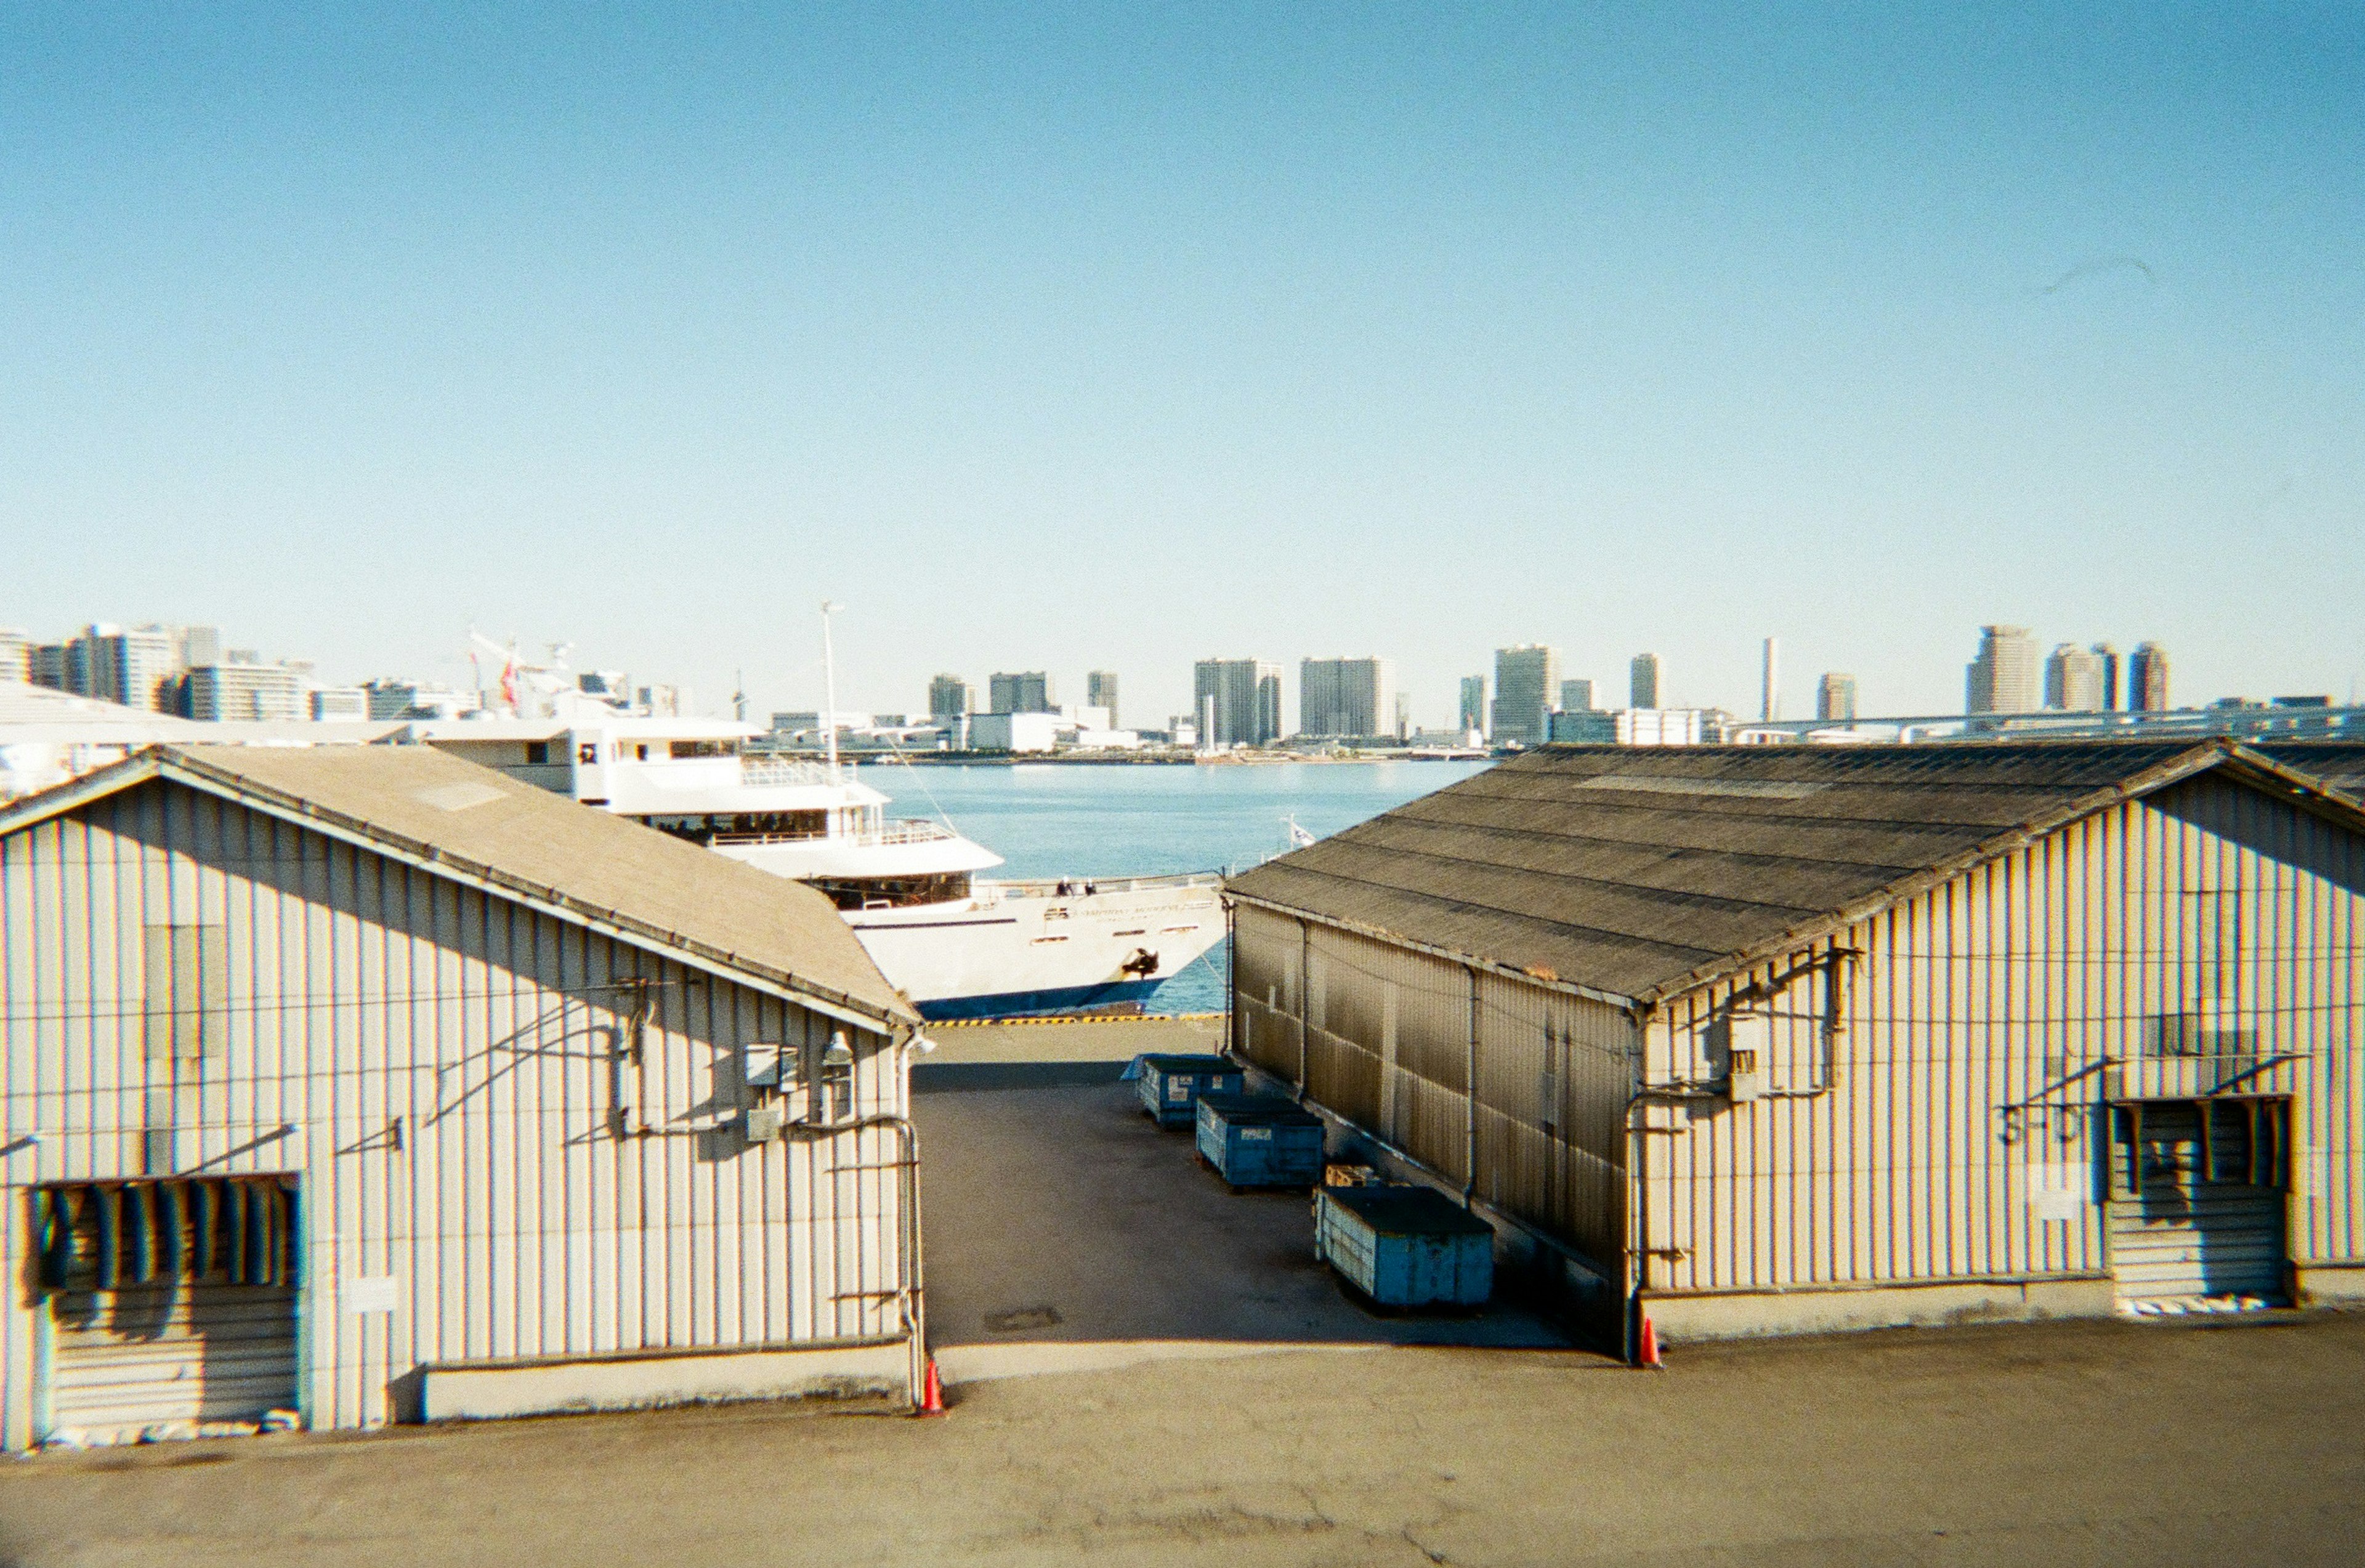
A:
482,826
1637,872
2340,764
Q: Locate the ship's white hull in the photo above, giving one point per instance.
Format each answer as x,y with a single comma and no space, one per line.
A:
1020,948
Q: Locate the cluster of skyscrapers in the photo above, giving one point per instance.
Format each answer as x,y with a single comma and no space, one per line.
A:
2009,676
180,670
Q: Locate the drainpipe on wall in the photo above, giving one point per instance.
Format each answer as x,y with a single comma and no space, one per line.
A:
1305,997
1470,1096
1637,1162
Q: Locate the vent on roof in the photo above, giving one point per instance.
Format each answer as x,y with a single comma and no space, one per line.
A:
1652,784
457,797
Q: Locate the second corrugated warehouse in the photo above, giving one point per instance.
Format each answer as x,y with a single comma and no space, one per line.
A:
1755,1040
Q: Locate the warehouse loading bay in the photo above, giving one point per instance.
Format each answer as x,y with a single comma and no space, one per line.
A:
1147,1368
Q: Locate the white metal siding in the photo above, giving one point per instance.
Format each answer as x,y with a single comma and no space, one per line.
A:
438,1067
1986,1024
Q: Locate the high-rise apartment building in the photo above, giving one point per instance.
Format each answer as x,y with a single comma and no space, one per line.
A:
137,668
1527,683
2108,657
197,646
16,650
1576,696
46,663
1238,702
245,691
2007,676
950,696
1025,691
1474,704
2147,678
1769,699
1835,697
1642,681
1100,691
1343,698
2073,680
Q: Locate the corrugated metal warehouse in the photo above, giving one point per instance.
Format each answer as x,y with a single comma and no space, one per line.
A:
356,1083
1765,1039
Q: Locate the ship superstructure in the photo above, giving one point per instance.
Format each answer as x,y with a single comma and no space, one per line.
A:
959,945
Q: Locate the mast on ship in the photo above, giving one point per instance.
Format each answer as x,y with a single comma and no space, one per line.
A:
829,686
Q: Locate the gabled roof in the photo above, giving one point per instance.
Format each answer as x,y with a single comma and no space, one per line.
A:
483,828
2339,765
1637,873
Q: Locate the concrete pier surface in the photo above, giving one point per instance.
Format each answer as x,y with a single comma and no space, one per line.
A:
2067,1445
1067,1230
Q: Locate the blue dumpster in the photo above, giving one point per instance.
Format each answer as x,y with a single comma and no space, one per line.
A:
1261,1140
1404,1246
1170,1086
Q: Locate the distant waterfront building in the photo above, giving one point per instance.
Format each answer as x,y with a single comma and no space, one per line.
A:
2108,657
1025,691
1474,704
137,668
1769,699
16,649
1632,726
46,664
1239,701
2073,680
245,691
336,703
1100,691
1835,697
1527,680
950,698
198,645
1404,716
1642,681
1342,698
1576,696
2006,676
415,699
2147,678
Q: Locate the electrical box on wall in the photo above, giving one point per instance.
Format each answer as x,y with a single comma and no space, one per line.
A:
761,1123
1749,1043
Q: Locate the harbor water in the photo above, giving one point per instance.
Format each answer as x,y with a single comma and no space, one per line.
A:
1066,820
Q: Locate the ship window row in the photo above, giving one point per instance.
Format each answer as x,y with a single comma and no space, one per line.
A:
706,827
893,893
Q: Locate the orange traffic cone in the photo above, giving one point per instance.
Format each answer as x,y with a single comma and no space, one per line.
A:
1649,1354
932,1391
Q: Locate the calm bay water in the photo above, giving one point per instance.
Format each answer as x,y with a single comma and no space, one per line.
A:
1066,820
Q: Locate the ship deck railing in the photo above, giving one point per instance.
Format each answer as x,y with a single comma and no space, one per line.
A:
1082,887
913,830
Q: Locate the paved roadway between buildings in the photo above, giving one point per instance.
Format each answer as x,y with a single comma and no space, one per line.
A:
1205,1395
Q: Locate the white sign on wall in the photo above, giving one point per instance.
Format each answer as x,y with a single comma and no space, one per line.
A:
366,1293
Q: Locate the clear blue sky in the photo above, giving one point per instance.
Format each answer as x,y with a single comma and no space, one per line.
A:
1120,336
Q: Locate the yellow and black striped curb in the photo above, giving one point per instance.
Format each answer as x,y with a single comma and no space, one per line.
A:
1128,1018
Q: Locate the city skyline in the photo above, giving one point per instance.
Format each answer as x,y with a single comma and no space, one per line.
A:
2008,675
1106,335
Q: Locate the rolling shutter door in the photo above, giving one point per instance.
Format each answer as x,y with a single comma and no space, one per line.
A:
172,1306
2196,1205
170,1359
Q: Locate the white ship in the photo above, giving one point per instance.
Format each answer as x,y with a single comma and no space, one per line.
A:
959,945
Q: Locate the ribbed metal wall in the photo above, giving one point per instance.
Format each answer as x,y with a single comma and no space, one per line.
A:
370,1004
1391,1035
1986,1025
